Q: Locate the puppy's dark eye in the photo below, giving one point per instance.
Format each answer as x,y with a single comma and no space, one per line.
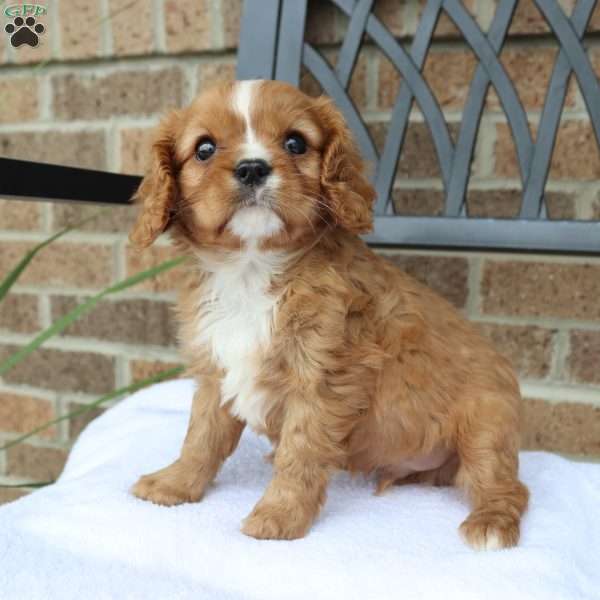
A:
205,149
295,144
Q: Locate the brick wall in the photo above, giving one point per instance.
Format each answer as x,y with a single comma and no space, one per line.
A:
90,94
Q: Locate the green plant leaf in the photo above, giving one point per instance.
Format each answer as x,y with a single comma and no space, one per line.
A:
12,277
34,484
66,320
37,484
129,389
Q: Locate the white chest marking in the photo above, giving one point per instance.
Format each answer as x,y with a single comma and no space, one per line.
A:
235,321
243,96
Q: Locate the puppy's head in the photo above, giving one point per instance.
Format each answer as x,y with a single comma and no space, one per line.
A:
253,161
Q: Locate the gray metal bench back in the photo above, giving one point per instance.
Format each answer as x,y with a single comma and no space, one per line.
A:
273,46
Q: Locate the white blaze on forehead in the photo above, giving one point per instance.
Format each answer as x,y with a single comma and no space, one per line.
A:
244,94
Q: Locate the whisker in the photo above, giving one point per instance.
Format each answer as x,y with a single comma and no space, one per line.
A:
299,212
302,213
320,202
326,222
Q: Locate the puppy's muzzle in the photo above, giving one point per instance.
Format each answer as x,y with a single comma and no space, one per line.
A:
253,172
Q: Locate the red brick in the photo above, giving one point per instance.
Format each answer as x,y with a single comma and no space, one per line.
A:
594,24
594,51
575,155
309,85
418,157
78,149
528,347
507,204
506,164
133,321
62,371
188,25
523,288
569,427
529,20
445,27
20,215
358,82
418,203
132,27
530,68
4,60
37,57
144,369
114,219
560,205
393,15
21,414
81,26
323,23
80,422
214,72
135,149
19,99
389,84
141,260
583,363
60,264
140,92
449,75
446,275
231,14
37,463
19,313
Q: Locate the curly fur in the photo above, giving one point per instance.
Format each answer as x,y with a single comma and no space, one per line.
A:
357,366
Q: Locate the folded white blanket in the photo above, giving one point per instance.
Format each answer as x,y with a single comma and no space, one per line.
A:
86,537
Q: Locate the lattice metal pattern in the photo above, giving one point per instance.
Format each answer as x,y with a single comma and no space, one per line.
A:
532,230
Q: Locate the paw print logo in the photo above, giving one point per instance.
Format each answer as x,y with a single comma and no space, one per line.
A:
24,31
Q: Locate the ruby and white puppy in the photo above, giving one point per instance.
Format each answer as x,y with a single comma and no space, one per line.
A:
290,324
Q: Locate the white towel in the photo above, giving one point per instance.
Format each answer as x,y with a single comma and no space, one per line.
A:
86,537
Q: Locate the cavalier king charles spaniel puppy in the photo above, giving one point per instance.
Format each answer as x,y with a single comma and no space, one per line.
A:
292,325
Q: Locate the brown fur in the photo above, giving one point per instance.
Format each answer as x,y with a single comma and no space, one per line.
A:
367,370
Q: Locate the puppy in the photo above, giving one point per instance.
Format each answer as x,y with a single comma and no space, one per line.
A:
290,324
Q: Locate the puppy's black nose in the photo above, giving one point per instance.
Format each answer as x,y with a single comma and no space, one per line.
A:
252,172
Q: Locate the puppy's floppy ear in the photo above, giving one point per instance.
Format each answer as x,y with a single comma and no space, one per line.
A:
158,190
350,195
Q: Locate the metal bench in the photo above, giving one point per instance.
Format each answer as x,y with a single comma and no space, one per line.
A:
273,46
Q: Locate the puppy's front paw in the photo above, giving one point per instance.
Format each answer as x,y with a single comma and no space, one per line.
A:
275,522
169,486
490,530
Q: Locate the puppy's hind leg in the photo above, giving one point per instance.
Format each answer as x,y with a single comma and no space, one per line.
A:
488,472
